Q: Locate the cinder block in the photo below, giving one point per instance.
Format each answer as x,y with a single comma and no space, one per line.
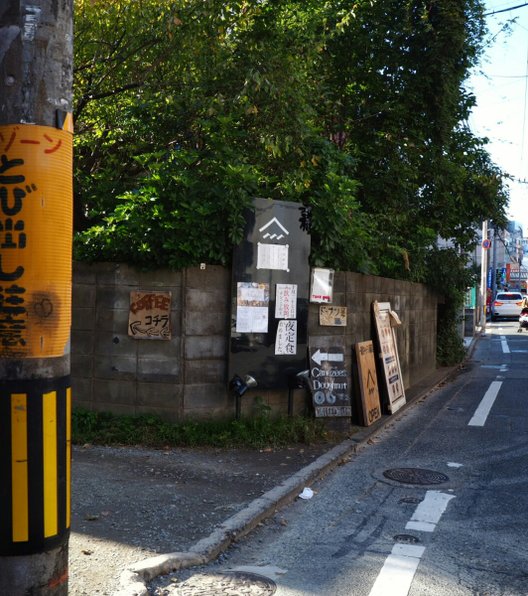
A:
110,297
211,300
213,276
107,343
115,367
206,323
81,365
110,392
82,342
113,320
157,348
159,370
83,295
205,396
82,390
160,278
84,273
205,348
160,395
206,371
83,318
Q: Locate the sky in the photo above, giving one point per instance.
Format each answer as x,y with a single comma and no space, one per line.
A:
500,84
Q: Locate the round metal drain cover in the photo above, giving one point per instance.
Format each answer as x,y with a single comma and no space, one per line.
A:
230,582
406,539
411,500
415,476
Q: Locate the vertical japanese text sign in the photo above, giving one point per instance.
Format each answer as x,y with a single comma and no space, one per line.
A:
390,359
35,319
36,233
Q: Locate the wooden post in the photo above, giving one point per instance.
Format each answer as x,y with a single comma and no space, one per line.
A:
36,61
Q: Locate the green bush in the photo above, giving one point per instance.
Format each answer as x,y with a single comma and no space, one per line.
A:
148,430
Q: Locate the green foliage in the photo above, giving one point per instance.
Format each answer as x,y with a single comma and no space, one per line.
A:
151,431
450,276
187,109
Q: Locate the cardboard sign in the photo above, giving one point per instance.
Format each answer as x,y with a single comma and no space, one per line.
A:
149,316
330,378
385,321
368,382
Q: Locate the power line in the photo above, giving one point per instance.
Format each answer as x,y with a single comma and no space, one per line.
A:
506,9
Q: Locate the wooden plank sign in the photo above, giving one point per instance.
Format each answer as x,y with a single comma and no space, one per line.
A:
368,382
389,356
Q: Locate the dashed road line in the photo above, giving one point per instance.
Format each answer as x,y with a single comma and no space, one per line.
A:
481,413
399,568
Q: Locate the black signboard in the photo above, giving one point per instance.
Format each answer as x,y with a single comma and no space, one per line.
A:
330,378
270,294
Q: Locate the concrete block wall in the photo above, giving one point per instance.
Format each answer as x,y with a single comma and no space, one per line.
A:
186,376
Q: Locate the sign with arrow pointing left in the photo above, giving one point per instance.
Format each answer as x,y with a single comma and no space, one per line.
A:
330,378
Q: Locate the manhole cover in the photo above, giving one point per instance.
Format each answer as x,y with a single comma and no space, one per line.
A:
406,539
235,582
411,500
415,476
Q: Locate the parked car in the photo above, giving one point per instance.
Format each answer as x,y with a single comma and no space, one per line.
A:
507,305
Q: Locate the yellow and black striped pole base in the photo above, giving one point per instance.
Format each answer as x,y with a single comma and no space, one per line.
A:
35,465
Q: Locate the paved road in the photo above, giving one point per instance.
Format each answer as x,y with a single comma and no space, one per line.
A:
458,528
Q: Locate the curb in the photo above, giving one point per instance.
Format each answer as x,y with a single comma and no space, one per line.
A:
134,579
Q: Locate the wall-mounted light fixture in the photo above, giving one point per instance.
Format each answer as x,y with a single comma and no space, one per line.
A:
239,386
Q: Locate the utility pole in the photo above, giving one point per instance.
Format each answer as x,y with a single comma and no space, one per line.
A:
36,137
483,275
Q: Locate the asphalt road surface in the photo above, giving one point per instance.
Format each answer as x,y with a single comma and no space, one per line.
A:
435,504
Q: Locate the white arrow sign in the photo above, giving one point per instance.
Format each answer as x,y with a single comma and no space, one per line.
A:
320,356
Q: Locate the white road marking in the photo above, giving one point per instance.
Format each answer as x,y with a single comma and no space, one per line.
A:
429,511
481,413
397,573
453,464
505,347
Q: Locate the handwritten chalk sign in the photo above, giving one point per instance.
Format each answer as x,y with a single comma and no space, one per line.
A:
330,378
389,355
368,382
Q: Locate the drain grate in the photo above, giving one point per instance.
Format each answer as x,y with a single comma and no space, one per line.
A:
230,582
406,539
415,476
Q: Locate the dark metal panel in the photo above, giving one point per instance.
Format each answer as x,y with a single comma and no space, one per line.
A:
275,250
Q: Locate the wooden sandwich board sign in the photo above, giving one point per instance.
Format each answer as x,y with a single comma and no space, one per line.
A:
384,318
368,382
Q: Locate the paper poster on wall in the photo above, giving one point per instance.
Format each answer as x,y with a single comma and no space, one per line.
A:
272,256
252,307
322,285
286,340
332,316
385,320
286,301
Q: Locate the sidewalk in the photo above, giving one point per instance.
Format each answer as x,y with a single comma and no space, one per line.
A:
130,504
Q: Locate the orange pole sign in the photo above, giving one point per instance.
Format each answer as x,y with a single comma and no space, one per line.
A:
35,238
